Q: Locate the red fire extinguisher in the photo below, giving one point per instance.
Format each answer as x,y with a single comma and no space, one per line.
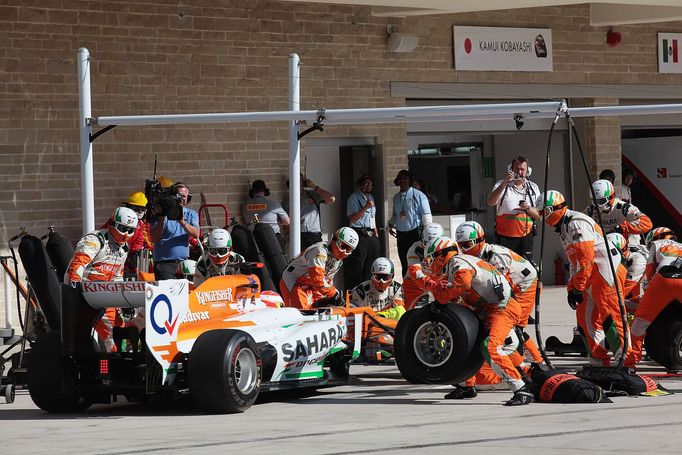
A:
559,274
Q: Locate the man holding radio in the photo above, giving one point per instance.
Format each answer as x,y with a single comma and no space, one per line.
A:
515,197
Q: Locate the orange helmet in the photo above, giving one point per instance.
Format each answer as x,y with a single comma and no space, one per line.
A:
554,205
122,225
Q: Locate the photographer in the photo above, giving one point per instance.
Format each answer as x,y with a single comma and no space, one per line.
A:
170,236
515,198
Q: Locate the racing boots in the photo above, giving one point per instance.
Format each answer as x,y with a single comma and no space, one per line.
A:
461,392
522,396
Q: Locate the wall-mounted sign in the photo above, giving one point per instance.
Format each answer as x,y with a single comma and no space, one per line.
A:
503,49
669,58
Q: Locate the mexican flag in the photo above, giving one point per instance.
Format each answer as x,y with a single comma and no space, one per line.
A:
669,51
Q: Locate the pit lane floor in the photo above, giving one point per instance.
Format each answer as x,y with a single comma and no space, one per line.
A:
376,412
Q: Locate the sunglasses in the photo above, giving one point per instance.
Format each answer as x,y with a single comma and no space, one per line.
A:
137,208
383,277
602,200
218,251
344,247
123,229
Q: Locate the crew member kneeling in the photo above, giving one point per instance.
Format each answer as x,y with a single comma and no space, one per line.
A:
309,276
482,288
101,256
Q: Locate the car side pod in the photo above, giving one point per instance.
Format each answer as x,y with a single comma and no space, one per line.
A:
439,348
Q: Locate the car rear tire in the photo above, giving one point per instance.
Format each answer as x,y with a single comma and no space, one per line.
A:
52,377
224,371
437,350
663,343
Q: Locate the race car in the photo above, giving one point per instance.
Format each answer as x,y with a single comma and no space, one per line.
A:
222,344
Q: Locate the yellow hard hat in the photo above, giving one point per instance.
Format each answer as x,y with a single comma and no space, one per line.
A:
164,181
137,198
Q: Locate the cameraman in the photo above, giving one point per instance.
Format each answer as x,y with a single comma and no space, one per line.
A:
171,237
514,197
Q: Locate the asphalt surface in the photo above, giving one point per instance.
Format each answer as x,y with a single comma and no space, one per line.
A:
377,411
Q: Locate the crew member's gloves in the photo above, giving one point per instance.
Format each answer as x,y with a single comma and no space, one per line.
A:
574,298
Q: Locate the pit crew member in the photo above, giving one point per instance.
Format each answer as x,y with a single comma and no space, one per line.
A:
618,215
664,271
309,276
591,286
484,289
520,273
100,256
413,286
634,260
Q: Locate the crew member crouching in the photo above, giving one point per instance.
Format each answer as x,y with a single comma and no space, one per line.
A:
382,293
218,259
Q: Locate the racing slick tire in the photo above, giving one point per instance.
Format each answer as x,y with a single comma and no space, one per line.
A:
60,252
272,250
43,278
224,371
437,349
51,377
245,244
663,342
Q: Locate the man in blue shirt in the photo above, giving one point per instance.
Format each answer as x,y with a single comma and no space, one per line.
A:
171,237
361,211
410,211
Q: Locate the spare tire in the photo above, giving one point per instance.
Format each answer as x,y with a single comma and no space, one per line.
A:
60,251
272,250
437,349
245,244
43,278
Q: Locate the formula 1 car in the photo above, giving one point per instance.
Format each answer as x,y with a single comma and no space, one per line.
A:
221,343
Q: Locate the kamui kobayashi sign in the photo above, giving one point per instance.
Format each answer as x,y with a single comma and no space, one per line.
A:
503,49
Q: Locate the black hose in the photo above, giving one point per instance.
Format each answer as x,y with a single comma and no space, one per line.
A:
621,304
538,291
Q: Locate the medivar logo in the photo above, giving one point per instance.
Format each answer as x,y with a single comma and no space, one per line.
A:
670,51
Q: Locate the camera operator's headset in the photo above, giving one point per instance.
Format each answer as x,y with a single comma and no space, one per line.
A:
179,184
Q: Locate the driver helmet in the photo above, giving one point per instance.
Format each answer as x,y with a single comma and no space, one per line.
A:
343,243
470,238
219,246
605,194
432,231
186,269
659,233
382,273
122,225
618,240
555,206
438,252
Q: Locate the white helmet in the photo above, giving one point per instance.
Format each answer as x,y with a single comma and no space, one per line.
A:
383,266
432,231
616,239
605,194
186,269
468,235
346,240
122,224
436,251
382,273
219,246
